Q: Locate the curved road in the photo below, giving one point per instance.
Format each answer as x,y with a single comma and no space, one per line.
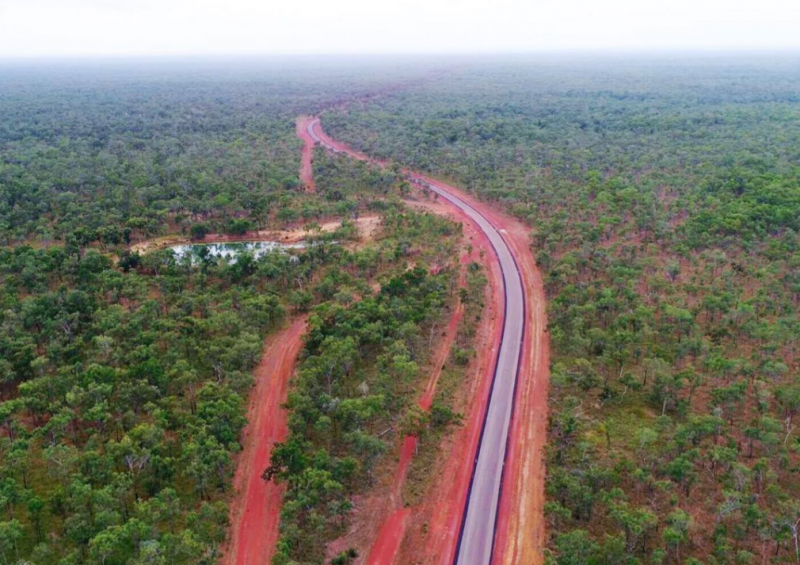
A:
476,538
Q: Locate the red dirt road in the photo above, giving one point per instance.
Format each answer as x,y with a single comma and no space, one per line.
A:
306,171
520,531
389,538
255,511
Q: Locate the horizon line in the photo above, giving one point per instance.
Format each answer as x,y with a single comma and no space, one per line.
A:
588,51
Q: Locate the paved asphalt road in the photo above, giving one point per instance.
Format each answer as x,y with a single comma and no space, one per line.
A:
477,534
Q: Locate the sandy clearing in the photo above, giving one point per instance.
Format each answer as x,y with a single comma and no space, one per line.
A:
367,227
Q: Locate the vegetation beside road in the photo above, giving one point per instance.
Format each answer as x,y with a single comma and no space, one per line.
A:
123,376
356,382
662,197
445,410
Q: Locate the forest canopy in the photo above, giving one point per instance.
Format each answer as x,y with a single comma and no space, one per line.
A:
663,195
663,198
124,374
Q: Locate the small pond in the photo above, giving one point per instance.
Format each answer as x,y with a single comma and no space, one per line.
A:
230,251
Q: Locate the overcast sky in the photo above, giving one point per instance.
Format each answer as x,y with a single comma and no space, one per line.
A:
185,27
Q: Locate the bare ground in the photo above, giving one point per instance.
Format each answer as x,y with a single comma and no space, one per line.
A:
255,509
367,227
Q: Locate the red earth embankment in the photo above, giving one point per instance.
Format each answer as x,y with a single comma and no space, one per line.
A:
255,510
520,527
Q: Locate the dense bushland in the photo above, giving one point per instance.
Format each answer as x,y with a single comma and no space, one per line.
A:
113,154
663,201
357,382
123,377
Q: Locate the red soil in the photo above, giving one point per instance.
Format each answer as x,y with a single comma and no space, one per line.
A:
306,172
391,533
255,510
389,538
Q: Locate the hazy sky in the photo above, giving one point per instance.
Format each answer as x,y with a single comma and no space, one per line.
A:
178,27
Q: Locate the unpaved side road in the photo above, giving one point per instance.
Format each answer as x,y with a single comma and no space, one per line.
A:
256,508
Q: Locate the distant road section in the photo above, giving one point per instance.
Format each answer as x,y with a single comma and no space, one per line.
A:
306,157
476,539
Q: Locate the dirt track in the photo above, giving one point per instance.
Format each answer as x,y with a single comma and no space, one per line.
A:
255,511
520,508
